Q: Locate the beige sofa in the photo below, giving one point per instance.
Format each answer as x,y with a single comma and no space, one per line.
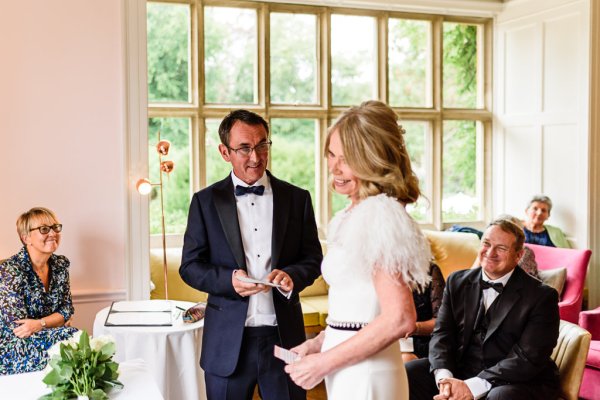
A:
451,251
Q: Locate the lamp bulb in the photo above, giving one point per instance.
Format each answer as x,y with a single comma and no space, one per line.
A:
143,186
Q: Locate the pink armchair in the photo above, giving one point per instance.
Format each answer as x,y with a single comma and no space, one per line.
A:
576,262
590,386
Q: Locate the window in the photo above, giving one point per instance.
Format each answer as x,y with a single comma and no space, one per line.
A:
300,66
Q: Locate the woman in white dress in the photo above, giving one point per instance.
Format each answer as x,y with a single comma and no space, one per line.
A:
376,254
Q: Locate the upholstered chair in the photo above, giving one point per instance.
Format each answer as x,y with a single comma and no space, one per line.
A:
569,355
576,262
590,387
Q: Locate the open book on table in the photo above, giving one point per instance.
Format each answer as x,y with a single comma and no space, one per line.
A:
140,313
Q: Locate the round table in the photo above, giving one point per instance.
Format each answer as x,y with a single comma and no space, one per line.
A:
172,353
134,375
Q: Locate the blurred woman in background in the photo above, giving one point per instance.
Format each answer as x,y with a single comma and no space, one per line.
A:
536,232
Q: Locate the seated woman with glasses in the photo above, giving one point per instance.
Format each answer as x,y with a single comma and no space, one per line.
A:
35,295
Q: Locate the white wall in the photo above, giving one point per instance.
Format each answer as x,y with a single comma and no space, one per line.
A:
62,134
541,106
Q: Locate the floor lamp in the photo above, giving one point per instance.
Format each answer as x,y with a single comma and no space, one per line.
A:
144,187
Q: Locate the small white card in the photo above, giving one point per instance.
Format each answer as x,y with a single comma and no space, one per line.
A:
406,345
287,356
257,281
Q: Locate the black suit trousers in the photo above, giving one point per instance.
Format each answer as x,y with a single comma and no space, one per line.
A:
422,386
256,366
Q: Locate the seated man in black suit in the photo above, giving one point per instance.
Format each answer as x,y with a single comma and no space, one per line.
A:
495,330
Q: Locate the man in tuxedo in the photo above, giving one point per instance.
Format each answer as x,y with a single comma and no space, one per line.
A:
250,225
495,331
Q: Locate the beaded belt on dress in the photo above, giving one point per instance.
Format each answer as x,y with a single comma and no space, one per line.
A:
346,325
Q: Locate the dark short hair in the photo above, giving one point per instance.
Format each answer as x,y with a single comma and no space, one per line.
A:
245,116
510,227
540,198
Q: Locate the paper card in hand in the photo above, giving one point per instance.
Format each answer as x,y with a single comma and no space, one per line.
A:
194,313
287,356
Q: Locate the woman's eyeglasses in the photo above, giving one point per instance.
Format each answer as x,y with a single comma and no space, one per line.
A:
45,229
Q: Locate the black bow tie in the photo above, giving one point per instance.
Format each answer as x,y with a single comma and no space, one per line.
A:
242,190
497,286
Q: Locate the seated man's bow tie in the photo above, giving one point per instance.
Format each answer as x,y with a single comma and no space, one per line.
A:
497,286
242,190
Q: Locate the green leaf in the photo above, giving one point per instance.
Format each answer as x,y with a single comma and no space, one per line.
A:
84,344
53,378
66,371
100,370
107,351
113,384
98,394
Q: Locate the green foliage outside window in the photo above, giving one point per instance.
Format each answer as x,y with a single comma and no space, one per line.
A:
409,63
293,58
230,50
293,152
415,139
353,59
460,171
230,54
460,65
216,167
168,52
176,185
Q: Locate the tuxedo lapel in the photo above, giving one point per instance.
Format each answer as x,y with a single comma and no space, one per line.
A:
506,301
227,210
472,300
281,211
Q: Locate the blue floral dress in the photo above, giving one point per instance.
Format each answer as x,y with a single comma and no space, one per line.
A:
22,295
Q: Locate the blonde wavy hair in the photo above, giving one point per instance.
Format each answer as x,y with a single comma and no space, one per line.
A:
374,148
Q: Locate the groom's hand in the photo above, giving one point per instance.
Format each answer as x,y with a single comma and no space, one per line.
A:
245,289
453,389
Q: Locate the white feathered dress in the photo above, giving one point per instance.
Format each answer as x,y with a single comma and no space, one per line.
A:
376,232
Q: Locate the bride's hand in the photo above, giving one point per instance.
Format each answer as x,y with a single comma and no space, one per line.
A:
307,372
310,346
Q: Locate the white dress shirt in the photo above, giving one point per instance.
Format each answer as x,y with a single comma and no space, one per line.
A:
479,387
255,215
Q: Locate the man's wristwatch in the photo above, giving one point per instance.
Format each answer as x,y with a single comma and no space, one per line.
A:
43,322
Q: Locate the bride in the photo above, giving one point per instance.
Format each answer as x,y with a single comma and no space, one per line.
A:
376,254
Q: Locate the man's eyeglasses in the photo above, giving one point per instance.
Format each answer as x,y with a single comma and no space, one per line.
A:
261,148
45,229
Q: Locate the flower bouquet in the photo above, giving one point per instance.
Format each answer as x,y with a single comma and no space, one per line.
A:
81,367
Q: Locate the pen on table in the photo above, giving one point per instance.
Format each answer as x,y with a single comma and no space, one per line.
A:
179,308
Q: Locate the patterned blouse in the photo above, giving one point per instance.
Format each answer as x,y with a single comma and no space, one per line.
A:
427,305
22,295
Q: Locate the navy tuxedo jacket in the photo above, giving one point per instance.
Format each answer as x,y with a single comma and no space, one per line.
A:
521,335
213,248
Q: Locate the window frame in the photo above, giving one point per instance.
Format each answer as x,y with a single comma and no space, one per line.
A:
324,112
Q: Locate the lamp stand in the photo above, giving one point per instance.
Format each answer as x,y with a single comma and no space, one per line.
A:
162,218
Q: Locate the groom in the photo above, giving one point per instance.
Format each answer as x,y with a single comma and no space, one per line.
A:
250,224
495,331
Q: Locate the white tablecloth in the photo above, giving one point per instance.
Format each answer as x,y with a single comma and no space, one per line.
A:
171,353
135,376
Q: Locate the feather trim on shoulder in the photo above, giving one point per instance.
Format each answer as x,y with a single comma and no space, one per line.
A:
379,232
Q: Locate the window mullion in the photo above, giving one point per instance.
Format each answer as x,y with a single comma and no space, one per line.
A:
324,66
437,126
382,65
